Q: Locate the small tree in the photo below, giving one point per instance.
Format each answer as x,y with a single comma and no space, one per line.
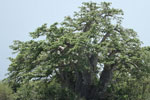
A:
5,92
91,55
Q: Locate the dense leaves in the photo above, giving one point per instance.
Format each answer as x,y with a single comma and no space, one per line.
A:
88,56
6,92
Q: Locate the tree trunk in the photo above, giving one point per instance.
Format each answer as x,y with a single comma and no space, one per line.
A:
105,80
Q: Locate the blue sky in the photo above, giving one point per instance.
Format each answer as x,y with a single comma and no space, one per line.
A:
19,17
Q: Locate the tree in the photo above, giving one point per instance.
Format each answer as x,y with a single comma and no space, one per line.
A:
5,92
88,56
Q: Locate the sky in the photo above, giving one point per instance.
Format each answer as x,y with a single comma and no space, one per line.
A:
19,17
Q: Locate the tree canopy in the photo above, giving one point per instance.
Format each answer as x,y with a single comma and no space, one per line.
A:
89,56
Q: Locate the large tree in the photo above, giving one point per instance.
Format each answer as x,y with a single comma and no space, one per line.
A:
88,56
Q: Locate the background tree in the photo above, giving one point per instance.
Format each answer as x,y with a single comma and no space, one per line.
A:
88,56
133,84
6,92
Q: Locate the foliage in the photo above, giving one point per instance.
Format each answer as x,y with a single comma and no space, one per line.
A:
40,90
90,56
134,84
5,92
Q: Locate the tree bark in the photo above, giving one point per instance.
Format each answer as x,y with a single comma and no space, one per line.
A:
105,81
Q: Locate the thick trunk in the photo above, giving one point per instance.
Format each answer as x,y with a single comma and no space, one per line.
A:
83,84
105,80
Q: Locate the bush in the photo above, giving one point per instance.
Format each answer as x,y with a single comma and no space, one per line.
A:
5,92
